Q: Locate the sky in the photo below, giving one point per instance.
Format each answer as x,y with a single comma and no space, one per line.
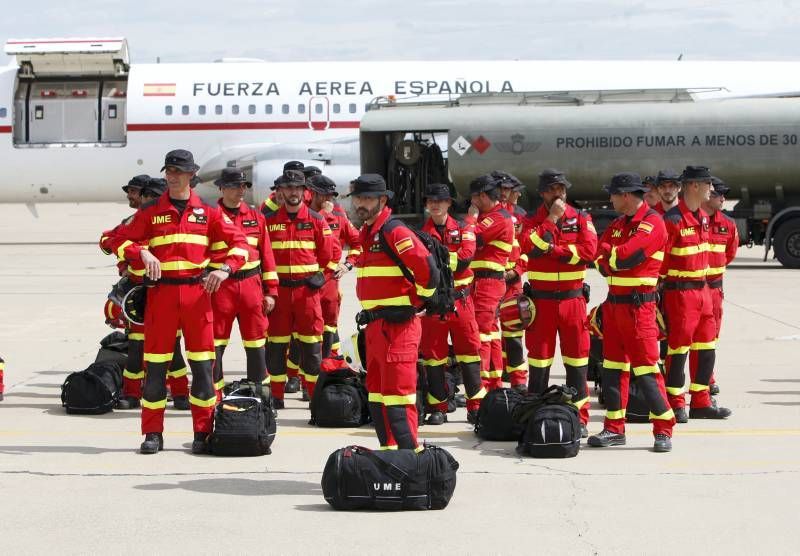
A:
307,30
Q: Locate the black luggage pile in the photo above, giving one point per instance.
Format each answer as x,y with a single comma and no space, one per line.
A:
340,397
244,421
97,388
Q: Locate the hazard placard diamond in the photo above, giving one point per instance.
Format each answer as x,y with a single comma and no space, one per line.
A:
461,146
481,144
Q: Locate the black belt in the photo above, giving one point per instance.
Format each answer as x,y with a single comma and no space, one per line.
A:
635,298
566,294
716,284
286,283
180,281
494,274
463,293
242,274
389,314
685,285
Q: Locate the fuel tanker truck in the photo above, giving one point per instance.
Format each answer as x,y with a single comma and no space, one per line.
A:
753,144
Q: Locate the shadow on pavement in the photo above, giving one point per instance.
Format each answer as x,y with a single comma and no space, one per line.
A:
775,392
780,380
241,487
781,403
86,450
314,508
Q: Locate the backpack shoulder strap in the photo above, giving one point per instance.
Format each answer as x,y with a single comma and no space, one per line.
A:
390,469
391,254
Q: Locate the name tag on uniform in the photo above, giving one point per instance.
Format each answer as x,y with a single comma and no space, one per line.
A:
333,226
249,223
305,226
198,219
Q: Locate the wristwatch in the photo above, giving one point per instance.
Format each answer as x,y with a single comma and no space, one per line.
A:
225,268
348,265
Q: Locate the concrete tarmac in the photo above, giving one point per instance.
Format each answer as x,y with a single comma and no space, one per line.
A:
76,484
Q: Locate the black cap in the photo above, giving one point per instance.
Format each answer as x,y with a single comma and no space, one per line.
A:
181,159
550,177
293,165
155,187
322,185
486,182
137,182
507,181
667,175
309,171
649,180
369,185
291,177
437,192
625,182
696,173
232,177
718,186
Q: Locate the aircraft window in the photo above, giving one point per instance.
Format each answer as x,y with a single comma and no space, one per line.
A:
3,112
318,108
285,109
337,108
352,108
366,107
251,109
268,108
201,109
301,108
235,109
218,109
168,110
185,110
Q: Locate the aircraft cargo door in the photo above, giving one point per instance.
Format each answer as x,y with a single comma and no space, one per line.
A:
112,112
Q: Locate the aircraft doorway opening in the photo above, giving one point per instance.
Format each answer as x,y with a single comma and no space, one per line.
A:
416,160
319,113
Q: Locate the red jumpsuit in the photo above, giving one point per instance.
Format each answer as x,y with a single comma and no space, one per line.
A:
557,258
460,327
513,356
182,243
241,297
494,233
302,246
688,308
723,242
393,347
133,374
629,256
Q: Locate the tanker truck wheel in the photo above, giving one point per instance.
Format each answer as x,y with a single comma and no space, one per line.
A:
787,243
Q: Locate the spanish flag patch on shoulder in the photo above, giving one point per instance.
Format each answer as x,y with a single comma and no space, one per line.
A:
403,245
487,221
645,227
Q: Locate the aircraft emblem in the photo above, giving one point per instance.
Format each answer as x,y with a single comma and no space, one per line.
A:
517,145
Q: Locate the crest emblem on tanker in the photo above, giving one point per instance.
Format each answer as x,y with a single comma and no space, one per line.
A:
517,145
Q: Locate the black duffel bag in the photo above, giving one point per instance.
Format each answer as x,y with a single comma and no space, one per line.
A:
357,478
495,420
552,426
340,398
92,391
114,348
244,424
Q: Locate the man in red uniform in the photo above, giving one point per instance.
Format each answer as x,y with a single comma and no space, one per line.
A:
301,244
179,229
560,242
688,308
494,234
147,190
668,187
390,303
516,370
460,327
629,256
651,196
723,242
248,296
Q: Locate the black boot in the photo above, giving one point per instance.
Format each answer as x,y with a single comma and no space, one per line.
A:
292,385
606,438
710,412
663,443
277,403
713,389
128,402
200,443
680,415
436,418
584,431
153,443
304,397
181,403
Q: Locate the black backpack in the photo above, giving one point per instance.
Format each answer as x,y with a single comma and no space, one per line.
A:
443,300
244,424
114,348
552,426
356,478
340,400
92,391
495,420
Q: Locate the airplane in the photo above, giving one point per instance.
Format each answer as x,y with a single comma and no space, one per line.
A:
78,119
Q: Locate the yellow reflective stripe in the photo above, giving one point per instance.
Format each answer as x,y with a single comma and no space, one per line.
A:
136,336
239,251
619,414
121,249
331,329
431,399
375,397
666,416
502,245
467,236
575,258
678,350
479,395
160,404
158,357
512,334
378,271
424,292
307,339
612,260
687,273
468,358
487,265
463,282
332,265
580,403
689,250
386,302
297,268
617,365
336,346
210,402
254,343
491,374
646,370
556,276
434,362
183,265
278,378
485,337
200,355
326,231
516,369
219,246
292,365
539,242
674,390
658,255
618,281
177,373
590,227
539,363
311,378
384,448
135,272
266,380
279,339
250,265
252,241
220,384
271,275
716,247
704,345
575,361
508,303
293,245
132,376
271,204
715,270
354,252
195,239
698,387
453,261
221,342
